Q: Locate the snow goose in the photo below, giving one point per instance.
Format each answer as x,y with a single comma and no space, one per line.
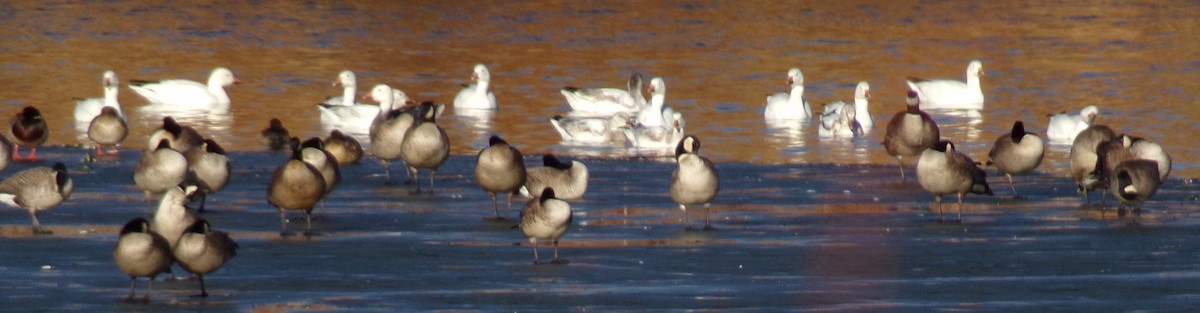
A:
943,170
202,250
652,115
86,109
1063,127
341,112
499,168
37,189
1016,152
952,93
656,137
590,130
789,105
607,101
141,253
476,96
29,129
910,132
694,181
546,218
838,121
107,129
187,95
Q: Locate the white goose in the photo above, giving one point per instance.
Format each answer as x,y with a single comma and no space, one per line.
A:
652,115
355,118
656,137
1063,127
87,109
789,105
187,95
839,120
952,93
607,101
590,130
476,96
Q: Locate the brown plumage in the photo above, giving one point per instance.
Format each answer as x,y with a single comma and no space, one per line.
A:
345,149
181,138
296,185
1016,152
942,170
27,128
37,189
141,252
202,250
425,145
1084,158
107,129
499,168
208,168
910,132
277,136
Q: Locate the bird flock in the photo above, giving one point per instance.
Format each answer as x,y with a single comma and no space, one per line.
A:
181,164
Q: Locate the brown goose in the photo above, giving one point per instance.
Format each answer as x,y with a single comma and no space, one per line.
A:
181,138
141,252
345,149
1134,182
1016,152
545,218
107,129
296,186
910,132
499,168
569,179
1083,157
202,250
160,170
27,129
313,152
942,170
277,136
389,128
425,145
694,181
37,189
208,168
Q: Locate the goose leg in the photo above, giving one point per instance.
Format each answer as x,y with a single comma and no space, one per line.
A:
960,206
901,160
937,199
308,223
386,170
556,260
203,292
1010,184
132,285
282,223
535,256
707,226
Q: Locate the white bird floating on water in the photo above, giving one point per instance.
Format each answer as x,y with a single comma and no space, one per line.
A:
789,105
1064,127
951,93
187,95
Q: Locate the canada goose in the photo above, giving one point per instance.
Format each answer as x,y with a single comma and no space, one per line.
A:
1016,152
6,149
952,93
202,250
107,129
182,138
172,217
1133,182
942,170
37,189
545,218
27,129
160,170
208,168
277,136
389,128
296,185
345,149
313,152
141,252
694,181
569,179
425,145
499,168
1083,157
910,132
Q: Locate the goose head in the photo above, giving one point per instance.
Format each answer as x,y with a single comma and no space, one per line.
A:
222,77
481,74
346,79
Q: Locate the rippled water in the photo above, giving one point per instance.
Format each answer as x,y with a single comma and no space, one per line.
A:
797,231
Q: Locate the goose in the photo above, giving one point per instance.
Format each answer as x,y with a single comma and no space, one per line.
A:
694,181
187,95
202,250
172,218
141,252
86,109
590,130
789,105
1125,147
545,218
296,185
389,128
655,137
107,129
313,152
208,168
6,149
1016,152
345,149
160,170
861,115
569,179
37,189
839,120
943,170
910,132
349,83
181,137
606,101
499,168
341,112
425,145
29,129
277,136
1149,150
652,115
952,93
476,96
1084,157
1134,182
1063,127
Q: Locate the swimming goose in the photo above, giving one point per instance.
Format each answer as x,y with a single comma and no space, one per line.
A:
861,115
388,129
654,137
590,130
208,168
569,180
341,112
1063,127
172,218
694,181
27,128
345,149
313,152
606,101
952,93
910,132
181,138
107,129
187,95
1016,152
86,109
943,170
652,115
839,120
296,185
1134,182
160,170
789,105
277,136
425,145
141,253
476,96
1084,157
546,218
499,168
202,250
36,190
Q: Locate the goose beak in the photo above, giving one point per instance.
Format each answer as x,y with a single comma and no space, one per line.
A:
237,81
337,83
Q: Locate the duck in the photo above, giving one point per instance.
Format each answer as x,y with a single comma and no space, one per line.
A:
208,169
201,251
590,130
107,129
277,135
476,96
187,95
345,149
952,93
910,132
839,121
28,129
86,109
388,129
160,170
425,145
789,105
172,218
499,168
570,179
545,218
1016,152
180,137
1133,182
653,114
943,170
606,101
656,137
141,252
1084,157
37,189
694,181
296,185
313,152
1063,127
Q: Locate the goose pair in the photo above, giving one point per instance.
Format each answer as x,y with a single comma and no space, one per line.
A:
590,130
208,169
606,101
499,168
87,109
180,137
342,112
186,95
840,119
141,252
952,93
36,190
425,145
